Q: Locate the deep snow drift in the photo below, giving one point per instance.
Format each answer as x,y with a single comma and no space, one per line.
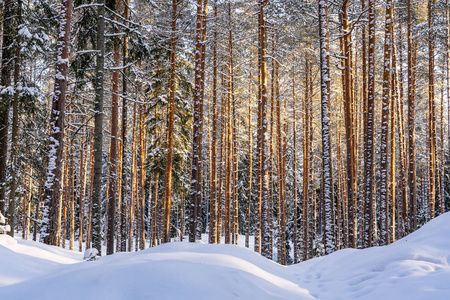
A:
415,267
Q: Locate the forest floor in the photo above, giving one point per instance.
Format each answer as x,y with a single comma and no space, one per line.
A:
415,267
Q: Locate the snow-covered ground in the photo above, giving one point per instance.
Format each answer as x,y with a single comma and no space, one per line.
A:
415,267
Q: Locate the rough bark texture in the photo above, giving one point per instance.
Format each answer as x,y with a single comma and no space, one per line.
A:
326,140
266,234
411,127
196,172
98,131
369,167
172,87
50,229
384,187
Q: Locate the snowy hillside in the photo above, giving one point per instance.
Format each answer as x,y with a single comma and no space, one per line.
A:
415,267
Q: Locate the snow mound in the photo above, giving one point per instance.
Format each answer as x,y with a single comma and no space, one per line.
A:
23,260
415,267
171,271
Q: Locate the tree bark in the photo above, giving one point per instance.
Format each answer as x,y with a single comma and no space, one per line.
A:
266,234
49,229
172,88
98,130
326,140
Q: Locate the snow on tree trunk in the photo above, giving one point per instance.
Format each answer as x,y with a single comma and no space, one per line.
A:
369,166
384,139
266,233
326,141
196,174
98,130
50,229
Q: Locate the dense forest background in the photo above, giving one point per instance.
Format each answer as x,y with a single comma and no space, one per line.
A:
311,125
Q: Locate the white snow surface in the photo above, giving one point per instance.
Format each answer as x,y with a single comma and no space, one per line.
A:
415,267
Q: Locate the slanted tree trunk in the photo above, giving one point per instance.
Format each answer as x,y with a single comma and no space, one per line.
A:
404,226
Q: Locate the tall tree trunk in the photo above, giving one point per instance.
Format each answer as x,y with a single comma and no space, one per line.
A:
113,161
349,129
71,200
222,159
266,234
143,172
82,190
133,181
98,130
50,228
384,187
326,140
393,101
279,166
294,126
250,157
9,12
369,165
124,189
213,168
404,226
91,190
196,173
172,87
411,126
15,129
306,166
432,112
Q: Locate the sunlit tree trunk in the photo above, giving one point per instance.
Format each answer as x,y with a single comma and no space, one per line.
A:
266,235
306,167
124,190
172,88
349,129
384,187
411,126
432,113
369,167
